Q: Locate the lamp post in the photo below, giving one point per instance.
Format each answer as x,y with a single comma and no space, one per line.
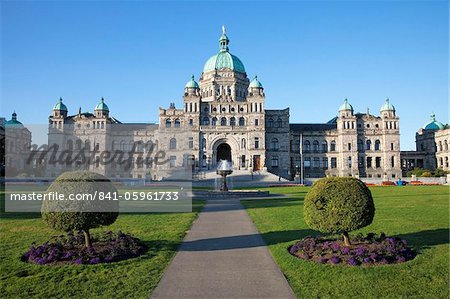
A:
301,159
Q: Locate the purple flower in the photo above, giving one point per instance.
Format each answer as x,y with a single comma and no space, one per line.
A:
345,250
374,257
367,260
353,262
323,260
78,261
335,260
94,260
335,246
360,251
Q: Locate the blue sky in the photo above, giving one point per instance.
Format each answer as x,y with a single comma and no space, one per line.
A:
308,55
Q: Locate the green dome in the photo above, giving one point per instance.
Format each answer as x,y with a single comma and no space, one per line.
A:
60,106
255,83
13,122
224,59
387,106
345,106
102,105
191,83
433,124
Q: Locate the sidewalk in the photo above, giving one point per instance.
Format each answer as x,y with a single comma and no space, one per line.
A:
223,256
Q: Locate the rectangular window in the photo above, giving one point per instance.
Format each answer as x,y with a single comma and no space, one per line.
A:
349,146
256,122
349,162
392,146
275,161
307,163
333,162
191,142
325,163
256,142
392,162
369,162
377,162
316,162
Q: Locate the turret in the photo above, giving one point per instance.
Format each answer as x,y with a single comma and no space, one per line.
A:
59,110
387,110
101,110
345,110
255,87
191,88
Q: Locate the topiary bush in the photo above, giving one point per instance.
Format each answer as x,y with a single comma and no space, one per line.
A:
70,215
338,205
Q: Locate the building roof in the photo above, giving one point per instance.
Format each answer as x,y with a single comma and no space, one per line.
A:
255,83
312,127
102,106
224,59
13,122
191,83
387,106
60,106
433,124
345,106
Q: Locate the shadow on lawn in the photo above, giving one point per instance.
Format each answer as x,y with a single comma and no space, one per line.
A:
245,241
427,238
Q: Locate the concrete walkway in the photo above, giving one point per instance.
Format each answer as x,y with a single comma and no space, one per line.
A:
223,256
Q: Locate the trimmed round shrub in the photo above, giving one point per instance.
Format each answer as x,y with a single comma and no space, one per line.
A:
75,214
338,205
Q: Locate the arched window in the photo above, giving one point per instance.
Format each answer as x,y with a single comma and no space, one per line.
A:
173,143
275,145
307,146
297,145
377,145
243,143
316,146
333,146
279,123
440,146
232,121
368,145
241,121
214,121
205,121
168,123
445,145
122,145
270,123
78,144
223,121
324,146
177,123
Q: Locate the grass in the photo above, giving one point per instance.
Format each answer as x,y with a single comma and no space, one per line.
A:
133,278
418,214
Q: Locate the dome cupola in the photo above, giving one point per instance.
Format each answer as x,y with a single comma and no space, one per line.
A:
255,83
387,106
345,106
224,59
191,83
60,106
433,124
13,122
101,110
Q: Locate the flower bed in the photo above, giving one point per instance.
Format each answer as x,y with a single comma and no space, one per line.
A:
107,247
387,183
370,250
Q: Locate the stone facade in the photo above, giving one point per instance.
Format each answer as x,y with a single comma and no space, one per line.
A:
223,116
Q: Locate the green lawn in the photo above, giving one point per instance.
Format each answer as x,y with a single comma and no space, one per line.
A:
134,278
419,214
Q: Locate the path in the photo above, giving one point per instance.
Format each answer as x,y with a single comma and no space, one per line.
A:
223,256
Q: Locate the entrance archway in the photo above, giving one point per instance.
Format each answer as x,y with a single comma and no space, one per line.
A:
224,152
